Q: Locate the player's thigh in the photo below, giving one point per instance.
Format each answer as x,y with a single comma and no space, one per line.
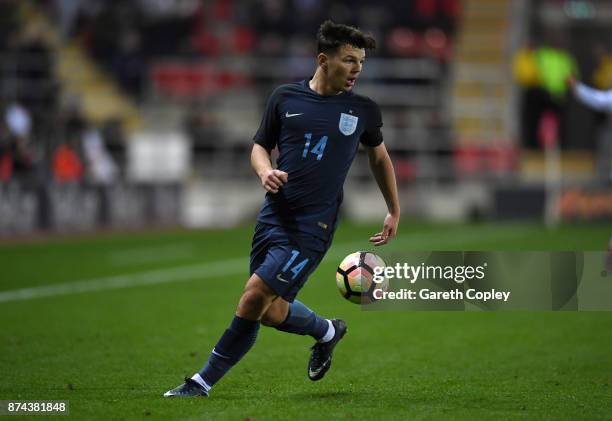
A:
284,259
286,269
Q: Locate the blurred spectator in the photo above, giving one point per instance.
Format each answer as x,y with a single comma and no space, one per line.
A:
555,65
542,72
527,74
101,168
18,125
18,120
67,165
602,76
6,155
598,100
525,67
66,162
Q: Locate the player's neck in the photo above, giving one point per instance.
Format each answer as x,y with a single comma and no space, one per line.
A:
321,85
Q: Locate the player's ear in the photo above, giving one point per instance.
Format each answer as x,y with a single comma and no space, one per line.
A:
322,59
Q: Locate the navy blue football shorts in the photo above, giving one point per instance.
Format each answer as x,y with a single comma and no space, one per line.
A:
285,258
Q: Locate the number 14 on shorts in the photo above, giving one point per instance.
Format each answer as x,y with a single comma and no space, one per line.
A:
297,268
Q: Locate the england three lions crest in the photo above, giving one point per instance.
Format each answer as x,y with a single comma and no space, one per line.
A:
347,124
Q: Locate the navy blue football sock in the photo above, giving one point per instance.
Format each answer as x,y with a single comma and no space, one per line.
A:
233,345
303,321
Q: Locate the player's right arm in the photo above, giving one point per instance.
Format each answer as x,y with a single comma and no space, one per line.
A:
271,179
265,140
594,98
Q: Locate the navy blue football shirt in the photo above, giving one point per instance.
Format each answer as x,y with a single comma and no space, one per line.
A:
317,138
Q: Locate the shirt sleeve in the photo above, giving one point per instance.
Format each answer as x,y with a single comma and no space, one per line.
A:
599,100
269,130
372,135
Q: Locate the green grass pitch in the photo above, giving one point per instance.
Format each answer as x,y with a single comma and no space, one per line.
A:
113,352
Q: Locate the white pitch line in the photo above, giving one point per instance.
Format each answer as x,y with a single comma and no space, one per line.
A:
420,240
159,276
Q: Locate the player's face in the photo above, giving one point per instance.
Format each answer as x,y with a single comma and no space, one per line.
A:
344,67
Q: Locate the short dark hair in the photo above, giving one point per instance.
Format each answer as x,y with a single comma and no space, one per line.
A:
332,36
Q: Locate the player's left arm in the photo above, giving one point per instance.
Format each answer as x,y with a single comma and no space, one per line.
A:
382,169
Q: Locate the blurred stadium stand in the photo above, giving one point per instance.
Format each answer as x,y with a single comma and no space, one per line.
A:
141,112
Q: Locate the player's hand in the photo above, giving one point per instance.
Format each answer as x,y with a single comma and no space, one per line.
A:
272,180
388,232
571,82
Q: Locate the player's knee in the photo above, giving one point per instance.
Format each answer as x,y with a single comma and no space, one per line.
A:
255,299
252,300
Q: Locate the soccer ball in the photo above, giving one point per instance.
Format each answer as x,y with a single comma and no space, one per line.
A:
355,277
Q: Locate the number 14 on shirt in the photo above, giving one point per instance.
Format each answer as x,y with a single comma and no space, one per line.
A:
318,149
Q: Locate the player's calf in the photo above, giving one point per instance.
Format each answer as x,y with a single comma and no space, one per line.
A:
303,321
235,342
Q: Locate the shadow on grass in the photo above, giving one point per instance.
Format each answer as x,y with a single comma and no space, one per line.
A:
322,396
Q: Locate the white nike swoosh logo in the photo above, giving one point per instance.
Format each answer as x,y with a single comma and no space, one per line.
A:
220,355
292,115
280,278
313,373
